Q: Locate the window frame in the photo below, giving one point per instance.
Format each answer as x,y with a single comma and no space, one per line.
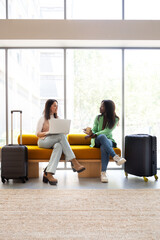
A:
65,72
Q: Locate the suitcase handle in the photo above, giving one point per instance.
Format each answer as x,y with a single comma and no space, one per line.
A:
12,111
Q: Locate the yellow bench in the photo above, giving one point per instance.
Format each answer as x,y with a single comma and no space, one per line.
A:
89,157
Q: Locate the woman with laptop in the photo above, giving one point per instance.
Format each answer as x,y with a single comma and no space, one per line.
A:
56,141
101,135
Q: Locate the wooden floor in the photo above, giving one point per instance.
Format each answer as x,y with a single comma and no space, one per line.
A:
67,179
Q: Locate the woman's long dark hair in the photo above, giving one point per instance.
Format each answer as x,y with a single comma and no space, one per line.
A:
109,114
48,105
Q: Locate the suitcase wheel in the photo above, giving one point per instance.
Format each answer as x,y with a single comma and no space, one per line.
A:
23,180
3,180
156,177
145,179
126,174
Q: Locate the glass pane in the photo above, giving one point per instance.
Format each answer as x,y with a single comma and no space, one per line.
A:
142,93
2,9
52,77
29,87
142,9
94,9
36,9
51,9
2,99
92,76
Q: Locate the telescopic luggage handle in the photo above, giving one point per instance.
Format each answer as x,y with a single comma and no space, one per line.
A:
12,111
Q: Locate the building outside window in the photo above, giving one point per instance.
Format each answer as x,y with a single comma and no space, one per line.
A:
34,76
81,9
36,9
52,78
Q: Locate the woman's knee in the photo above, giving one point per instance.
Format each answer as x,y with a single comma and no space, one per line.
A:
104,140
102,137
57,146
63,136
63,139
43,144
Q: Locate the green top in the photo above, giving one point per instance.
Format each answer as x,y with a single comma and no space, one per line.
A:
97,129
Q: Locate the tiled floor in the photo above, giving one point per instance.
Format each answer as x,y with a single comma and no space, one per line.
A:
67,179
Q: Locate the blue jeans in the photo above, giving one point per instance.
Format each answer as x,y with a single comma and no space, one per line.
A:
105,146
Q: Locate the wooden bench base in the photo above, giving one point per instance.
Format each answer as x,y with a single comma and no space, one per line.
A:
93,168
33,169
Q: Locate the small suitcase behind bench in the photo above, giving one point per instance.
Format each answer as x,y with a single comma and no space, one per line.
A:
14,163
141,155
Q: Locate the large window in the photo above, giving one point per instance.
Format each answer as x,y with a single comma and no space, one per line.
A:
23,88
36,9
142,9
2,99
142,92
92,76
81,9
34,76
94,9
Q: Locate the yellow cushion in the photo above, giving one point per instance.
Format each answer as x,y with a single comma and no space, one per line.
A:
73,139
87,152
81,152
28,139
34,152
79,145
78,139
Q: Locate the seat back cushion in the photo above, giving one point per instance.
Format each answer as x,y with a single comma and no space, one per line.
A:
28,139
73,139
78,139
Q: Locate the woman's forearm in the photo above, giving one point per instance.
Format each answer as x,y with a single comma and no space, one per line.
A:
42,134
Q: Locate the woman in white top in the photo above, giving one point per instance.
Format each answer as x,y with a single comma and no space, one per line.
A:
58,142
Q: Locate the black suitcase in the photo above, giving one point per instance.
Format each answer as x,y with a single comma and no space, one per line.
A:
141,155
14,162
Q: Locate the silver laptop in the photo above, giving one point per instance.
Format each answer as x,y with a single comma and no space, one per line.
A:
57,126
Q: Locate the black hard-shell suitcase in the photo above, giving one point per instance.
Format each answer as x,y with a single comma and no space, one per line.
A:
14,163
141,155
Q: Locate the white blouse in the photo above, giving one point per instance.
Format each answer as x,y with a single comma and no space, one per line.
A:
41,123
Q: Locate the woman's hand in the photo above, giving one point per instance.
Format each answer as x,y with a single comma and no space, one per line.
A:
87,131
42,134
87,136
91,136
46,133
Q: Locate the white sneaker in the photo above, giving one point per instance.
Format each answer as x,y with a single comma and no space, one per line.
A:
104,178
119,161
